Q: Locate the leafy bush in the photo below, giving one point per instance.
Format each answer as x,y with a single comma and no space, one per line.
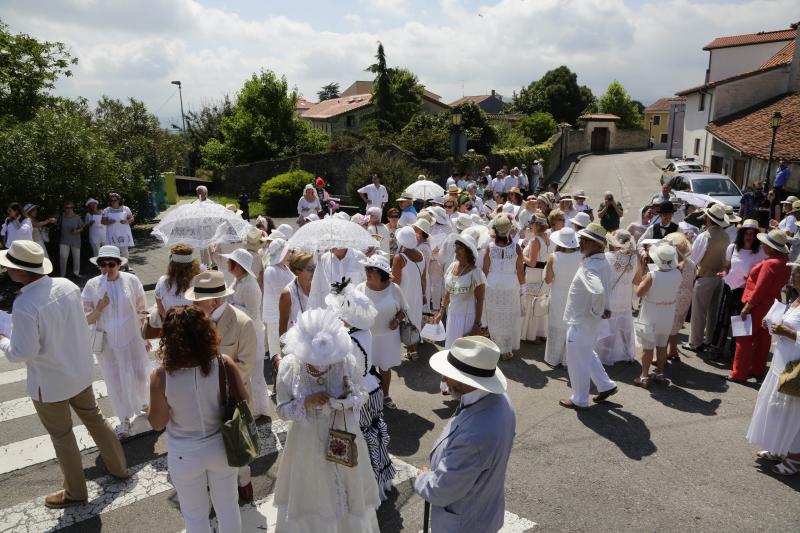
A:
396,171
518,156
537,127
427,136
279,195
510,137
471,162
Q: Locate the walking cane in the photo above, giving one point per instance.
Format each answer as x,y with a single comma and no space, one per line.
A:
425,516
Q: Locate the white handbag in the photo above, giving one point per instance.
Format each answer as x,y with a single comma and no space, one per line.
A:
98,340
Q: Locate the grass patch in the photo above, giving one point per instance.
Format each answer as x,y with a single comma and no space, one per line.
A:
256,207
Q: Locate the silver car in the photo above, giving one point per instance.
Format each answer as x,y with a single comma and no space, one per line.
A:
680,166
718,186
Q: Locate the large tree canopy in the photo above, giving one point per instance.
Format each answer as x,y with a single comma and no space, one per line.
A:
618,102
396,95
557,93
328,92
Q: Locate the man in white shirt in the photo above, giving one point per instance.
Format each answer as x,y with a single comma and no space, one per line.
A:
587,307
497,182
50,335
374,195
334,265
510,181
451,180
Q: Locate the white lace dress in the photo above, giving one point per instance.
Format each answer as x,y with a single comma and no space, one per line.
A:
565,265
502,297
461,309
775,425
537,294
621,344
411,285
314,495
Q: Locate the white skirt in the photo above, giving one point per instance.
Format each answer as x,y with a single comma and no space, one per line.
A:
555,351
775,425
458,325
621,344
503,317
126,372
386,350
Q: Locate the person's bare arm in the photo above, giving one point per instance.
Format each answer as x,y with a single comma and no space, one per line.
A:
644,286
549,275
487,263
480,295
284,308
533,253
397,269
158,410
520,267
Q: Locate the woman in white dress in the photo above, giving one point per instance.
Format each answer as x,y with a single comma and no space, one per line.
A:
247,297
422,228
276,276
93,219
388,299
358,314
775,425
321,387
171,286
685,291
505,276
115,303
408,272
440,229
625,274
17,226
294,297
556,221
537,292
117,219
308,204
562,264
465,291
658,291
40,230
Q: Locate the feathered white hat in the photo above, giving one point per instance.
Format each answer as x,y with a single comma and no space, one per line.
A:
352,306
318,338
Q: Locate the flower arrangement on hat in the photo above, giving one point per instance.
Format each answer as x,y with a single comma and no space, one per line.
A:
351,306
318,338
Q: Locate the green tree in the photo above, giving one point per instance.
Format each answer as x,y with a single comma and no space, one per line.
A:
481,135
396,170
557,93
396,95
427,136
537,127
382,101
28,70
589,100
509,137
618,102
204,125
328,92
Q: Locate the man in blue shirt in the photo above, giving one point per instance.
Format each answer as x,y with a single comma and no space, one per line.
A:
781,177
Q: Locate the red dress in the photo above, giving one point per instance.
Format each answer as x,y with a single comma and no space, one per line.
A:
763,286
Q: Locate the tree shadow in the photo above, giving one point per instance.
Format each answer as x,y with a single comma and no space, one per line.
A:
412,427
626,430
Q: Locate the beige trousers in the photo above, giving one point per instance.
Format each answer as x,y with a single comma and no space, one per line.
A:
705,306
56,419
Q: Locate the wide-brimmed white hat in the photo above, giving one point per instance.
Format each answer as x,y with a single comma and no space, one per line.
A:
274,253
479,235
717,215
472,361
463,221
423,225
565,237
440,215
207,285
406,238
377,261
241,257
664,255
91,201
318,338
582,219
26,255
352,306
775,239
286,230
468,241
109,251
253,240
789,200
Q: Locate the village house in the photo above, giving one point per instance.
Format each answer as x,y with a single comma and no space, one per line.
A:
656,121
492,104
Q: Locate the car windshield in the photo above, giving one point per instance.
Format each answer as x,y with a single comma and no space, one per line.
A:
690,168
715,187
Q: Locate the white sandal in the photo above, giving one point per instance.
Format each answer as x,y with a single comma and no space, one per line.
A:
769,456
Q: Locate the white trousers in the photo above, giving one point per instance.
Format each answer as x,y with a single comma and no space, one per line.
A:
64,251
195,475
583,365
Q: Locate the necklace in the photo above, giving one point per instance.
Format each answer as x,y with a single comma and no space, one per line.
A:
319,376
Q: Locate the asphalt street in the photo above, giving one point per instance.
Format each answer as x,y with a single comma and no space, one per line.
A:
673,458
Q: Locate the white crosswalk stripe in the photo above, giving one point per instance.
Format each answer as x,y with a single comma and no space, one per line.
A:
13,376
20,407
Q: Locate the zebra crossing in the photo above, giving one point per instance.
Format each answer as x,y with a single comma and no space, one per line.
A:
148,481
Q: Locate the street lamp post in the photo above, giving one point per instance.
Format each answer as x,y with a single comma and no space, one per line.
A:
180,95
457,138
776,122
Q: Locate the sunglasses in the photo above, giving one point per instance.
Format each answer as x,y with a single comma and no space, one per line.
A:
107,264
310,268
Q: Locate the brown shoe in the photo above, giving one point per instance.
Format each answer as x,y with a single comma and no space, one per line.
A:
246,493
59,500
569,405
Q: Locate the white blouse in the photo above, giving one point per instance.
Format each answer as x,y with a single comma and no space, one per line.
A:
168,296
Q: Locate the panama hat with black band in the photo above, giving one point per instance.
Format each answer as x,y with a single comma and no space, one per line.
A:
716,213
207,285
472,361
26,255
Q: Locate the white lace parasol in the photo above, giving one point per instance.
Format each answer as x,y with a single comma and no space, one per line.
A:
322,235
200,225
424,190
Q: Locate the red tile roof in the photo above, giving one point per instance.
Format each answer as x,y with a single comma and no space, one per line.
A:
750,131
476,99
751,38
337,106
303,104
661,105
782,57
599,116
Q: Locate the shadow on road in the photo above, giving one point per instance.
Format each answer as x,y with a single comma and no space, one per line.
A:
524,372
765,467
626,430
406,430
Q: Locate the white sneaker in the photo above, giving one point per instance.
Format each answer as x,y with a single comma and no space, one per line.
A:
123,430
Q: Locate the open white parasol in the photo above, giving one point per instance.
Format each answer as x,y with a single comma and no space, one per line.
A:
696,199
331,232
424,190
200,225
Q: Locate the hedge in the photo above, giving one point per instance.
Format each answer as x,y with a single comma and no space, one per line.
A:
515,157
280,194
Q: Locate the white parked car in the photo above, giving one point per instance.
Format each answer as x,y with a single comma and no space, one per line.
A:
680,166
718,186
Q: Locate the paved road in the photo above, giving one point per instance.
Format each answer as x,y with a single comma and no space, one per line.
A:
670,459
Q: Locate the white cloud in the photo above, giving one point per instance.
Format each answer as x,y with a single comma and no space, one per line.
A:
137,48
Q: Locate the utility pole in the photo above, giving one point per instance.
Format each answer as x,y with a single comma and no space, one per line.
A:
180,95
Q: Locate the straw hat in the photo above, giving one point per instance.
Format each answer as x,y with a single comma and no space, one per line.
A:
318,338
241,257
109,252
681,244
352,306
515,190
206,286
731,216
463,221
775,239
795,207
717,215
28,256
595,232
749,224
472,361
453,189
501,226
580,194
790,200
423,225
406,238
582,219
377,261
565,237
664,255
232,207
253,239
405,197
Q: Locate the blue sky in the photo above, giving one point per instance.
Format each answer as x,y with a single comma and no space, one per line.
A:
136,47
